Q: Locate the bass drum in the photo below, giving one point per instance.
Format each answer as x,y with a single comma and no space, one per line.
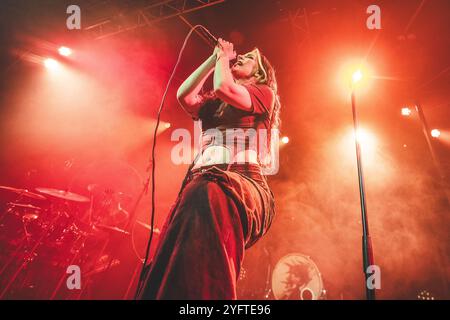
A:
296,277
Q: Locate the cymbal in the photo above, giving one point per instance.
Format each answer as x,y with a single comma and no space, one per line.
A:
111,228
25,206
61,194
30,217
24,192
148,227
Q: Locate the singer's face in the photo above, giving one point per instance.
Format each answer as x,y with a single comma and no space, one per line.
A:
246,65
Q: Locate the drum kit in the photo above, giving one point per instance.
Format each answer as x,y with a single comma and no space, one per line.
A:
43,231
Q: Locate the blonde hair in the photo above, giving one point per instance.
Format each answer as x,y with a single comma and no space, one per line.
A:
266,75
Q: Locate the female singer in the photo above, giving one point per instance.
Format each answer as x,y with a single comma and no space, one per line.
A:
225,204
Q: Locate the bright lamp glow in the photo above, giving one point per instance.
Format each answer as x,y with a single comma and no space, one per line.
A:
285,139
357,76
64,51
368,143
435,133
406,111
354,74
50,63
365,138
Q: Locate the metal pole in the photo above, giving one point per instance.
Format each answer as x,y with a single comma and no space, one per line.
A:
442,182
366,241
428,138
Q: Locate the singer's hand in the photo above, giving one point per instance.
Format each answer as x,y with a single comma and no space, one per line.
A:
224,48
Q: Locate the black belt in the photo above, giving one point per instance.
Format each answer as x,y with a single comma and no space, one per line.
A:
239,167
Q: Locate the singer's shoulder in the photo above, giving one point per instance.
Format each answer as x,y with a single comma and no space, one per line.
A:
259,89
257,86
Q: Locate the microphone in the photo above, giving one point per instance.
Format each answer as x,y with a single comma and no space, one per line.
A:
208,37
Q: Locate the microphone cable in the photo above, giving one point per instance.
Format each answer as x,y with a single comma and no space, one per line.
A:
152,159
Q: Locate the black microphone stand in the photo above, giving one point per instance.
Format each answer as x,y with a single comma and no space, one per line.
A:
366,241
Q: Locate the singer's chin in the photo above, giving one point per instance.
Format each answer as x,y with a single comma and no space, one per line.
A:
234,68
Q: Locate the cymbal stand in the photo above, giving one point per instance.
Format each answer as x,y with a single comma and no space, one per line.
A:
64,275
24,241
87,279
28,257
128,226
11,207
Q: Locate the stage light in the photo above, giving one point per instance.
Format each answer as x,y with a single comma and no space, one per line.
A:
357,76
285,140
365,138
64,51
50,63
167,125
406,111
367,141
435,133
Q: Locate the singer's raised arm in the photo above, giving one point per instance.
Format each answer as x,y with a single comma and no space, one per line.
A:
188,93
225,86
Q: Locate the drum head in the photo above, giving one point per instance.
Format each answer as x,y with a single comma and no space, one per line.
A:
296,277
